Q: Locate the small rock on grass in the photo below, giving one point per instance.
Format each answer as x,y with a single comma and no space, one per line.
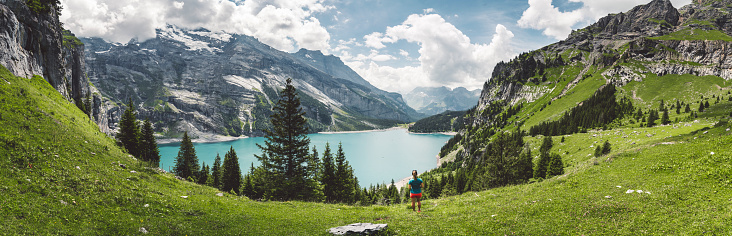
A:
184,196
143,230
358,228
220,194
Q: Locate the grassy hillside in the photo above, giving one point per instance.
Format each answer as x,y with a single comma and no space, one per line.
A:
683,171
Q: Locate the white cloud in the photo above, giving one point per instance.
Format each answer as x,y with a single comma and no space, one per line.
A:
403,53
542,15
447,57
282,24
428,10
374,40
402,79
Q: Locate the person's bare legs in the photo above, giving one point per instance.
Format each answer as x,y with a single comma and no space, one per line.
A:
419,203
420,206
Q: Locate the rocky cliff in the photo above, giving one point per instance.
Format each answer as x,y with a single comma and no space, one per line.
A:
217,83
652,38
33,42
655,38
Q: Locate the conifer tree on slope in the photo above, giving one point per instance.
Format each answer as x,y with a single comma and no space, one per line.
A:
186,164
285,152
148,145
203,175
129,131
231,176
541,167
216,172
556,166
344,178
328,175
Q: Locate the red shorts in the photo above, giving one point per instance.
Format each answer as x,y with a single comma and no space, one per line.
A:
415,195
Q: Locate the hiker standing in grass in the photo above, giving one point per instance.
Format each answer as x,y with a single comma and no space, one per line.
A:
415,190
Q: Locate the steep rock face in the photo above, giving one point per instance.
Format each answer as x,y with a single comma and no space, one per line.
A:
653,19
32,44
218,83
616,41
333,66
699,58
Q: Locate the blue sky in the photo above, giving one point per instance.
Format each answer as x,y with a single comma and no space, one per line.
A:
395,44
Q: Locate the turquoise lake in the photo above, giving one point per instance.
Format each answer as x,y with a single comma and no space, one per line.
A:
376,157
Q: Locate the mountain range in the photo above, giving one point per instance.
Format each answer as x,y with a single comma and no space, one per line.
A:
435,100
649,45
208,82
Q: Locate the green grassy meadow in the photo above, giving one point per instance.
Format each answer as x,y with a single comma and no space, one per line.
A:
60,175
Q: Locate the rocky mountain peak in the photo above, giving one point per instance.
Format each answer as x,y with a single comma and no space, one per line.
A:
211,82
653,19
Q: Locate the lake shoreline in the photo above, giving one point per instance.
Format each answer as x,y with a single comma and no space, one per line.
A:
361,131
215,138
208,138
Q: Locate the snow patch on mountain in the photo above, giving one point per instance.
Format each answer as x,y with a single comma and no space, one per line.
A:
247,83
175,34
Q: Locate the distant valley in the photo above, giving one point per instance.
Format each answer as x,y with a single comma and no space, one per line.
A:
435,100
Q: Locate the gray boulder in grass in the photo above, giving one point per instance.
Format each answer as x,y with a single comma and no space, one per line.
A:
358,228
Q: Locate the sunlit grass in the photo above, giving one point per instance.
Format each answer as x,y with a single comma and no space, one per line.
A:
43,139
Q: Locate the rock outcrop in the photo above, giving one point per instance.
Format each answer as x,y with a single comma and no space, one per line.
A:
654,38
648,34
358,229
33,44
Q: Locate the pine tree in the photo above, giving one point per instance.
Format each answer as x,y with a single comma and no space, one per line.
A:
253,186
706,104
639,114
216,172
314,165
203,174
665,119
540,169
285,152
344,178
606,147
328,175
661,106
598,151
701,106
186,164
231,176
652,117
556,167
524,167
687,109
546,144
149,146
129,131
